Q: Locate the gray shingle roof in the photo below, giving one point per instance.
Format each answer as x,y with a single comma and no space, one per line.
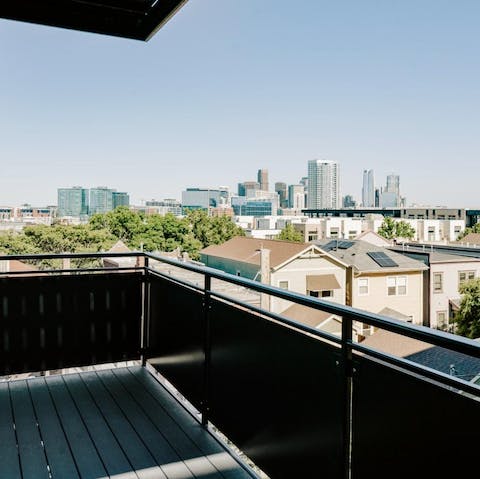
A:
357,256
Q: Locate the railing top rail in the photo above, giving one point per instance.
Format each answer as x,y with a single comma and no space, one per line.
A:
30,257
428,335
422,333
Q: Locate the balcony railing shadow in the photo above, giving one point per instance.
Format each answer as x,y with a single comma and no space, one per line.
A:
297,401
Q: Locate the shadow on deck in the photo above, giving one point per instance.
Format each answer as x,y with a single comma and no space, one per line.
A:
115,423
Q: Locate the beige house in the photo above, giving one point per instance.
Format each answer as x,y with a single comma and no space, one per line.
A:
299,267
379,280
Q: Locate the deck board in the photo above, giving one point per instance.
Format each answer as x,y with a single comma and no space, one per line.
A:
9,460
135,450
118,423
81,443
163,453
57,449
223,461
108,448
187,450
32,455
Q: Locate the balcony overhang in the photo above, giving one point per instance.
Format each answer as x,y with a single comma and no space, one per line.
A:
136,19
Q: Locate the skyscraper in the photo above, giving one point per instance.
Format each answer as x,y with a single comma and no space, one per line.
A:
262,178
323,184
281,189
72,201
120,198
393,184
101,200
296,197
368,189
391,195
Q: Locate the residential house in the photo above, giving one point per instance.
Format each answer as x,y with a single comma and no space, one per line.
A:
380,281
300,267
448,270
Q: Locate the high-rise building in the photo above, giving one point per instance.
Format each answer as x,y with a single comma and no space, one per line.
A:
101,200
246,186
296,197
120,198
262,178
368,189
281,190
204,198
393,184
349,202
391,194
72,201
323,184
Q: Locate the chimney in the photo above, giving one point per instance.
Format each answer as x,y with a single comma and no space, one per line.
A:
265,277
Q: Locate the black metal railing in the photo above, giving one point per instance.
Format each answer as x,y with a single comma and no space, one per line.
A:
299,401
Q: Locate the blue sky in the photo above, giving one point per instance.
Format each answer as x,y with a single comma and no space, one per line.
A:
230,86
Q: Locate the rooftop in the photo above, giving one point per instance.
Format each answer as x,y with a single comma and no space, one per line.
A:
357,253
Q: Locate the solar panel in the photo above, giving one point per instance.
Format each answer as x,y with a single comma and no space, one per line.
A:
330,245
382,259
336,244
345,244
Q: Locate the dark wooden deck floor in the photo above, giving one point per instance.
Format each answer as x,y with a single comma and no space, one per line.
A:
119,423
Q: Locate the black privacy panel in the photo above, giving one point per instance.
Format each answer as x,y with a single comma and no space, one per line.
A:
52,322
277,394
407,427
176,336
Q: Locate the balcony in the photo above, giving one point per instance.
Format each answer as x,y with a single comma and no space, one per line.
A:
89,355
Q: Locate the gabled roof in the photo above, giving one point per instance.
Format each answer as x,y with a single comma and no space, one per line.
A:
357,256
137,19
247,250
370,235
119,247
471,238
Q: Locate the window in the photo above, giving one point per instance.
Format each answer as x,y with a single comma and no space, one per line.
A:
397,285
326,293
334,232
464,276
437,282
283,284
442,321
362,286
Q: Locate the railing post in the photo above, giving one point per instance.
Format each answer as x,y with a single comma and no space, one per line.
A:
207,349
347,369
145,322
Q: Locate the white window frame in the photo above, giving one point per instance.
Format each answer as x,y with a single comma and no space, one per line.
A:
286,284
360,286
441,282
395,282
467,274
445,320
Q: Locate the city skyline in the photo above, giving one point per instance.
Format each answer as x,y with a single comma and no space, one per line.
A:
261,86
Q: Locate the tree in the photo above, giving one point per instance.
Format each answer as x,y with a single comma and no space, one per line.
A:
289,233
391,229
467,319
212,230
